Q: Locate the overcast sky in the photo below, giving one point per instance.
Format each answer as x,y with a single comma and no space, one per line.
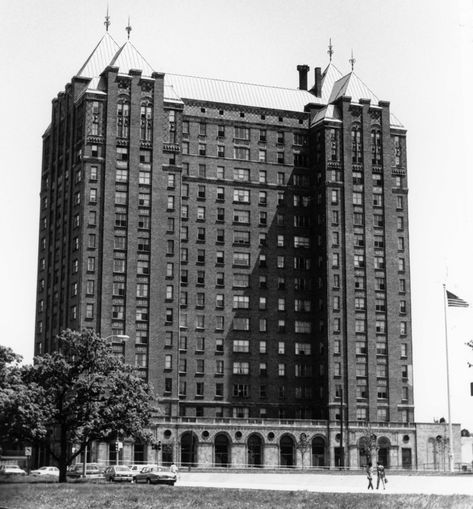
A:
416,54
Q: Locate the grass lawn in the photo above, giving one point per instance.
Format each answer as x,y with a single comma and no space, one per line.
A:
105,496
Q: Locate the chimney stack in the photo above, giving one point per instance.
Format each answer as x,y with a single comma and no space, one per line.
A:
303,70
317,89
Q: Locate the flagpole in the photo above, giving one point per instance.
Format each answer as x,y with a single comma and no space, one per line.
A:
450,434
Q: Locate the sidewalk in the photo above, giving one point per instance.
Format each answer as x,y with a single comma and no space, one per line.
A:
339,483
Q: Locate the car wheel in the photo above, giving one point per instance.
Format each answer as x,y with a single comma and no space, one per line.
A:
148,480
172,483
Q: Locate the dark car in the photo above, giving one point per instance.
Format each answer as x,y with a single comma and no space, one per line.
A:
118,473
156,475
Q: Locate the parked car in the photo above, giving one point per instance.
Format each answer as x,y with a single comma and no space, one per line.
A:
119,473
54,471
92,471
11,470
138,468
156,475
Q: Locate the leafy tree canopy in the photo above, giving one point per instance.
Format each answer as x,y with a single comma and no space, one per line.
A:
80,393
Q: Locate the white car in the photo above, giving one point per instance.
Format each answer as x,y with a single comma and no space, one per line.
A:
46,471
11,470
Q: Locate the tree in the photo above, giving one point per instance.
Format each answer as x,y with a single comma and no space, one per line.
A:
303,445
78,394
368,443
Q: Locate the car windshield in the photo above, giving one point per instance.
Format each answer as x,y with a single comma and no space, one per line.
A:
122,469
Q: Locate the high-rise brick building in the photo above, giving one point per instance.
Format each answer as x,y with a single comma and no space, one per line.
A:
252,242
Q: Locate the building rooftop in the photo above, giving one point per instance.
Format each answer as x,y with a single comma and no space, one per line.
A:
178,87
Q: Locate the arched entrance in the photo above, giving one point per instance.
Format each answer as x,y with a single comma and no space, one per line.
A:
364,452
287,451
384,446
255,450
222,450
189,449
318,452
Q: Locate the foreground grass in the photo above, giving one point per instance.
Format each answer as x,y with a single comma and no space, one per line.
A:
102,496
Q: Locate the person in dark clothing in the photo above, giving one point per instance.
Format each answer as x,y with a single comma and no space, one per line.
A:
369,474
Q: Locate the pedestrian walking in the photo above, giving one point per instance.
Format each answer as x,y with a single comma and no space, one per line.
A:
369,474
381,474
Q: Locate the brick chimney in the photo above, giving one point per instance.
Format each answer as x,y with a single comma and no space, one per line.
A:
317,88
303,70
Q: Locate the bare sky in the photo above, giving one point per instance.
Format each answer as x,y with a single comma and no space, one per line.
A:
416,54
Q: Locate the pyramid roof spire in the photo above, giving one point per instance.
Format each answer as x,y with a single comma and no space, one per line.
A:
329,78
100,57
128,57
352,86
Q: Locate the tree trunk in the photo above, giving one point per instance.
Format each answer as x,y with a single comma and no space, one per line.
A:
63,455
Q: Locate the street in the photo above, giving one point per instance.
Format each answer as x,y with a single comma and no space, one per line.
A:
320,482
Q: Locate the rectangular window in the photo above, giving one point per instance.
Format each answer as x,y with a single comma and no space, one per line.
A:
241,195
241,216
242,324
242,153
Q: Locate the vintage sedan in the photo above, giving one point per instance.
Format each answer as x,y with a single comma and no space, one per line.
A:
8,470
156,475
118,473
52,471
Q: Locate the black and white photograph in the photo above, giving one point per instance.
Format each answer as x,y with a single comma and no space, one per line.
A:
237,257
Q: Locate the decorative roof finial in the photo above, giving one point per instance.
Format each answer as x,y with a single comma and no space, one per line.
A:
107,21
128,28
330,49
352,61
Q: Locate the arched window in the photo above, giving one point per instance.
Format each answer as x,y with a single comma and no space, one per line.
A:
123,119
146,122
222,450
255,451
287,451
318,452
384,446
189,449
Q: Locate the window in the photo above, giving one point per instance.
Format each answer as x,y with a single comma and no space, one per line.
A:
357,198
263,218
241,216
241,302
262,303
143,267
376,147
401,265
402,307
142,290
356,146
379,262
170,205
380,325
146,121
93,195
403,328
242,324
91,264
241,345
241,368
361,414
262,155
242,153
143,223
301,242
359,261
281,369
241,195
302,327
361,369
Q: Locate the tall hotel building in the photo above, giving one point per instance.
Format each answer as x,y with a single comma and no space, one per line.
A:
252,241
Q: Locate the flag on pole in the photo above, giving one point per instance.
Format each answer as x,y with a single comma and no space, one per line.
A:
456,302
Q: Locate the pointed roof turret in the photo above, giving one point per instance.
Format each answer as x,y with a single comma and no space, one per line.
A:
100,57
128,57
329,78
352,86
